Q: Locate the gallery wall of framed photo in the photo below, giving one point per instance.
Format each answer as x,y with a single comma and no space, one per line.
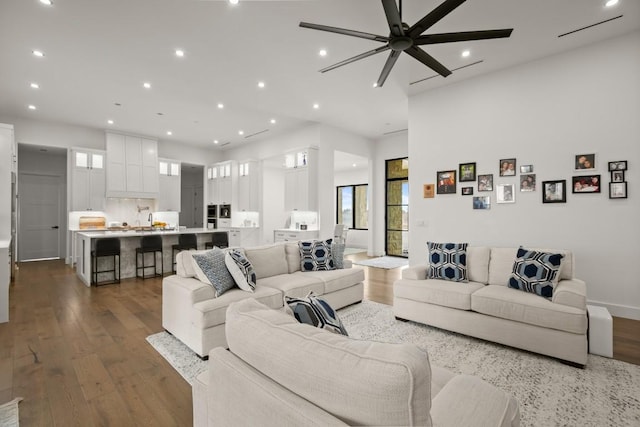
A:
584,180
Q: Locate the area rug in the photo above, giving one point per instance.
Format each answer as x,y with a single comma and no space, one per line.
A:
605,393
386,262
9,413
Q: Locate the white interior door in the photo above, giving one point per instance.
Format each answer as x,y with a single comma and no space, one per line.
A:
40,226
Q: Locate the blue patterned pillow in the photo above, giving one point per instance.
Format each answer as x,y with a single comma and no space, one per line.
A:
241,270
337,253
315,255
211,269
315,311
448,261
536,272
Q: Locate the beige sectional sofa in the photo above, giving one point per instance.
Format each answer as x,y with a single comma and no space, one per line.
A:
278,372
192,313
487,308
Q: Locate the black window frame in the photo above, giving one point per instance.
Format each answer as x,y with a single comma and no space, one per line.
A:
351,226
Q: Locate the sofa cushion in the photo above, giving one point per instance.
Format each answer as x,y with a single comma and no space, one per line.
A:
535,272
267,260
185,263
360,382
241,270
315,255
335,280
292,252
315,311
294,285
478,263
501,264
511,304
447,261
211,269
438,292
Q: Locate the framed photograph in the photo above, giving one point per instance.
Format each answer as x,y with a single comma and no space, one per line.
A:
617,176
505,193
507,167
526,169
620,165
467,191
467,172
617,190
481,202
585,161
485,182
446,182
528,182
428,191
554,191
586,184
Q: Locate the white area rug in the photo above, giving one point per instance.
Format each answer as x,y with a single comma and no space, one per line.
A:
386,262
605,393
9,413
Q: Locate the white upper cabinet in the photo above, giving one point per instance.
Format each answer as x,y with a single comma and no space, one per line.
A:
132,166
301,180
221,184
88,187
248,186
169,192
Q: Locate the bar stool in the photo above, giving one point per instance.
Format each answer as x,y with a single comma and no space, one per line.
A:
185,242
219,239
149,244
107,247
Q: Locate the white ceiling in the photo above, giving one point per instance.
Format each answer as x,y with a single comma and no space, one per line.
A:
100,52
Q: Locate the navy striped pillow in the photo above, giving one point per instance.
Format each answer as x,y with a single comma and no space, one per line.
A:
315,311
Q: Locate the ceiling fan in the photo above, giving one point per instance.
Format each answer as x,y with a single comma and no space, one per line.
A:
403,38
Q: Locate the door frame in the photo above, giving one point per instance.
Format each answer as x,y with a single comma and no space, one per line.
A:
386,222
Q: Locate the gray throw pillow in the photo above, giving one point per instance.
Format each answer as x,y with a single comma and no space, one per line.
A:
213,270
337,252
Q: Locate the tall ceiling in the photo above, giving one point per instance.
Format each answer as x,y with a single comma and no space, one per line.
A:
99,54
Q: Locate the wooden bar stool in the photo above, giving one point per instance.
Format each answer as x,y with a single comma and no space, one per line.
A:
185,242
107,247
149,244
219,239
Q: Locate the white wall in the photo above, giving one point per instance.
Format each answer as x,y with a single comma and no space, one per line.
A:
542,113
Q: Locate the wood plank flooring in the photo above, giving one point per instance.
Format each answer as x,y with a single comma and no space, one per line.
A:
79,356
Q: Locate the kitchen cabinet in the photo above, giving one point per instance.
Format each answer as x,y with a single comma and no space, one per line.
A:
301,180
221,183
169,181
243,237
132,166
88,180
248,187
288,235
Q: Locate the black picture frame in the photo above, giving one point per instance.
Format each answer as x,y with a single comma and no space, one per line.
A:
617,190
528,182
446,182
482,202
617,176
585,162
554,191
467,191
485,182
619,165
507,167
585,184
467,172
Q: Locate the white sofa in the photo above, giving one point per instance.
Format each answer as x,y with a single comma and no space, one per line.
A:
192,313
487,308
278,372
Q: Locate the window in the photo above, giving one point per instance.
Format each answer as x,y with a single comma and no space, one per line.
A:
353,206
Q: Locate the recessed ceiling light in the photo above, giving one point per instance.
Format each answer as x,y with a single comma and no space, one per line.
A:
179,53
215,141
354,165
220,105
32,107
240,132
273,121
38,53
146,85
47,2
466,53
316,106
375,84
610,3
110,122
34,86
169,133
233,1
323,52
261,85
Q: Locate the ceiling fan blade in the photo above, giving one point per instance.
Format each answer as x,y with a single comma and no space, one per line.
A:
344,31
434,16
462,36
391,60
428,60
355,58
393,17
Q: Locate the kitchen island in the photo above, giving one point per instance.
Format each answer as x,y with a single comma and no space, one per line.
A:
129,241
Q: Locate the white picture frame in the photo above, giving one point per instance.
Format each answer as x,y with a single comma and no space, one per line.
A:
505,193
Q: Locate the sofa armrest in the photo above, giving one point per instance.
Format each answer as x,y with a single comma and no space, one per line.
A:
572,293
418,272
347,263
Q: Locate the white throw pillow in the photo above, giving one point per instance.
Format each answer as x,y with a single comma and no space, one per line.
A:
241,270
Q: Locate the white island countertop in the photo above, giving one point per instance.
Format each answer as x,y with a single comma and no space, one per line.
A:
138,233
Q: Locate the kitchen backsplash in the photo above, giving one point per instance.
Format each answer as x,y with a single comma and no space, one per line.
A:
132,211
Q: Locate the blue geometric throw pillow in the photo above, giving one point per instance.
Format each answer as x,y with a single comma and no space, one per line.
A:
315,255
241,270
535,272
448,261
315,311
211,269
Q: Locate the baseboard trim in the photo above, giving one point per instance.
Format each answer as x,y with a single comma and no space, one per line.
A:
619,310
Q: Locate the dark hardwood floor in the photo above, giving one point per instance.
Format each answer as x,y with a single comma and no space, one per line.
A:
79,356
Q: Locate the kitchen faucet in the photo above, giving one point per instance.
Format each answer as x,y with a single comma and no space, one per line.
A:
151,217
